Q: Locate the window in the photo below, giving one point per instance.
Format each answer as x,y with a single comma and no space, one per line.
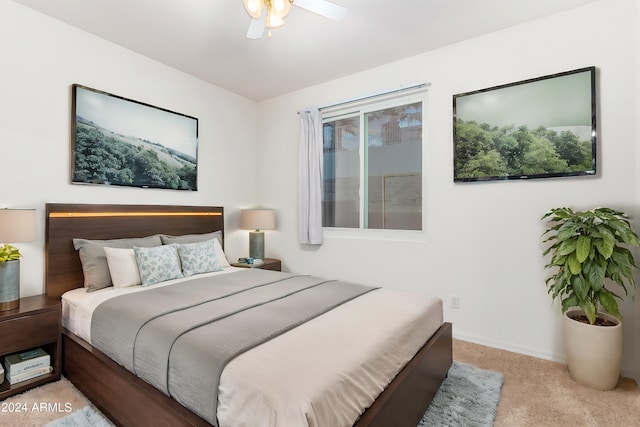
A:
372,177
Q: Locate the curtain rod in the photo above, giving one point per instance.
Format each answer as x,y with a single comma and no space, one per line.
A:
375,95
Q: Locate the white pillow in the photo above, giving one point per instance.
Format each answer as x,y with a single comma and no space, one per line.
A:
222,258
123,267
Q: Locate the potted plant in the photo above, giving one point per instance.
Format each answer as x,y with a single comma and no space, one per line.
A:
9,277
588,253
9,253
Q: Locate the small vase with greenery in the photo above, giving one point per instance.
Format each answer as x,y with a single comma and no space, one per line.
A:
586,249
9,253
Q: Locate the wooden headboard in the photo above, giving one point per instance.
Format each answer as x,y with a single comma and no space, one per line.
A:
64,222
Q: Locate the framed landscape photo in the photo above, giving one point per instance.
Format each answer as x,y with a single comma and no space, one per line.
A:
538,128
119,141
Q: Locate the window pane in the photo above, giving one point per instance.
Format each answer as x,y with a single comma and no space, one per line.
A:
341,183
394,168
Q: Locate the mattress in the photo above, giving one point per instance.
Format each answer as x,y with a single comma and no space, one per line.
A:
324,372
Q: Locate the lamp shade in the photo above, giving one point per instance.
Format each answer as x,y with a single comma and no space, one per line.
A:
257,219
17,225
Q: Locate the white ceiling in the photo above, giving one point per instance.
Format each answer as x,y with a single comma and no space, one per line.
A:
206,38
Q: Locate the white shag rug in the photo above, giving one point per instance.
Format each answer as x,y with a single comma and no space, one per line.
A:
468,397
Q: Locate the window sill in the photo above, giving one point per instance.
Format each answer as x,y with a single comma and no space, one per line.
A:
370,234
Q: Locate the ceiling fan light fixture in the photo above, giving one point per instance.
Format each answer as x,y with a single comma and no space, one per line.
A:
273,20
267,14
254,7
281,7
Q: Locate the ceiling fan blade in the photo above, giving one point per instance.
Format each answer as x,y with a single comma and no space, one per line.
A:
323,8
257,26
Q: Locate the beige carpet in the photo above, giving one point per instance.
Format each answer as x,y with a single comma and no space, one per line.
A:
38,406
535,393
540,393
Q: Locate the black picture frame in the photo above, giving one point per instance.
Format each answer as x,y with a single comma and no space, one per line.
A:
123,142
543,127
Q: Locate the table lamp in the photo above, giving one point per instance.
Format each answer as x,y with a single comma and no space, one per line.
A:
16,225
257,219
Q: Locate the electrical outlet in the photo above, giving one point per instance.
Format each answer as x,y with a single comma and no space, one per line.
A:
455,301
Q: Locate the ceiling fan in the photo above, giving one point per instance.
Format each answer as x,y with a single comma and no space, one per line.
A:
271,13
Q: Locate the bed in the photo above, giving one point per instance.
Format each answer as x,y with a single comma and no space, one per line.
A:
130,401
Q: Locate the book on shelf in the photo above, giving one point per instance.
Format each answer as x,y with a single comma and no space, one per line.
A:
17,364
27,375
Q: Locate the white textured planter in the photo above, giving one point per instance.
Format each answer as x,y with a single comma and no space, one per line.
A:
594,353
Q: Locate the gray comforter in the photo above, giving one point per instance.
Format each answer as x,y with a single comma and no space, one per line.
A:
180,337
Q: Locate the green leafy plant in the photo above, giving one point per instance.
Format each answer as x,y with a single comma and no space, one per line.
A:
9,253
586,249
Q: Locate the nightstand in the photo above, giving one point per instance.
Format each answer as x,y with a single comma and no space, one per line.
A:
266,264
36,323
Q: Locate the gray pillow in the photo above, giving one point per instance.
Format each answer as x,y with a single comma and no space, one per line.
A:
191,238
94,259
198,238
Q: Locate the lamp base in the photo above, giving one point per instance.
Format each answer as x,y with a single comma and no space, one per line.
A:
256,244
9,285
4,306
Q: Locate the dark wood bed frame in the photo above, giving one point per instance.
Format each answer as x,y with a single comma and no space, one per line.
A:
129,401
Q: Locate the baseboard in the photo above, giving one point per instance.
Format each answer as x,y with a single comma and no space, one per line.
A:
512,348
532,352
628,374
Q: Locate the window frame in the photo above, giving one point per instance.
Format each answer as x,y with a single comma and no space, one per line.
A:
360,109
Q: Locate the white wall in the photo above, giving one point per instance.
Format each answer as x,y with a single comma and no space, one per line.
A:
483,239
40,58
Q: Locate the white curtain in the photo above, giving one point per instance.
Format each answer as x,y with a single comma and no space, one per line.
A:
310,178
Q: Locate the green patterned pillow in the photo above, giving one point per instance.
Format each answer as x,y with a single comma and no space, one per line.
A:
198,258
158,264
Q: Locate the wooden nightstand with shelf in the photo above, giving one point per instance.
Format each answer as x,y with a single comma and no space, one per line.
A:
266,264
37,322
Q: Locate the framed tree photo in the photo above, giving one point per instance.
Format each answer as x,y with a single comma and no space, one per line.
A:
538,128
119,141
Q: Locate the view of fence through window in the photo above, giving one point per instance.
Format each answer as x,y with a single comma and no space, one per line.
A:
372,174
